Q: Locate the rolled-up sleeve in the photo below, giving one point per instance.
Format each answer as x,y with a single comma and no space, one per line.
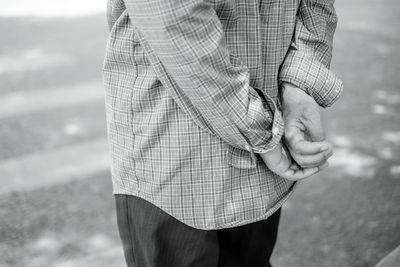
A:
188,38
307,61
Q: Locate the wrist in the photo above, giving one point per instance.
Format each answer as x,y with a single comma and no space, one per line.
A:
291,93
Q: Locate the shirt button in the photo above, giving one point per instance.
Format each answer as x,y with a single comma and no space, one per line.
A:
275,130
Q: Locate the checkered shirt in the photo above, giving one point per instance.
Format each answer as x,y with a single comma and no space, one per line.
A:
192,98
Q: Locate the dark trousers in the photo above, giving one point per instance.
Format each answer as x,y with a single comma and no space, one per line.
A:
152,238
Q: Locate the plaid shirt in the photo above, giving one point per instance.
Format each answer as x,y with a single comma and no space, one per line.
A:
192,98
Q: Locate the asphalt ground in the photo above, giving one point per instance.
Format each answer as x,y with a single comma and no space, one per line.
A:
52,111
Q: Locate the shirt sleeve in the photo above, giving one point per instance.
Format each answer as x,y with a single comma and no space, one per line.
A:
113,11
307,61
188,38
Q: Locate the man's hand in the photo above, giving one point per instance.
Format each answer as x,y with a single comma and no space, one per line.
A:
304,150
280,162
304,134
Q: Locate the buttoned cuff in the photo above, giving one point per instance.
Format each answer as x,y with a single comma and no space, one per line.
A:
306,72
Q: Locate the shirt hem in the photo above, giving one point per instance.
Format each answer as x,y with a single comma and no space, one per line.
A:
264,216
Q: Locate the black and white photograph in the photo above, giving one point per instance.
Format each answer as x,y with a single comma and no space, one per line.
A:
200,133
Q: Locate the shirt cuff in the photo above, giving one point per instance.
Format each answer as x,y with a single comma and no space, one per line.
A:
277,128
310,75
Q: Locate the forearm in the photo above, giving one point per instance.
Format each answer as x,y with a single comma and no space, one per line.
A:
307,63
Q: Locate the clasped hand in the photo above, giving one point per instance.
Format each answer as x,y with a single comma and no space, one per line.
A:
303,150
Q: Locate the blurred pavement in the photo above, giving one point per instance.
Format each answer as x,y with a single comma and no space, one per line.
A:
56,206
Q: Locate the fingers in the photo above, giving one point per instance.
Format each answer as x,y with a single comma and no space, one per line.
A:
300,174
304,147
280,161
311,119
307,161
304,136
295,140
294,166
308,154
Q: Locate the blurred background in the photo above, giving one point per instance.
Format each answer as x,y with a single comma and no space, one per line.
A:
56,203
